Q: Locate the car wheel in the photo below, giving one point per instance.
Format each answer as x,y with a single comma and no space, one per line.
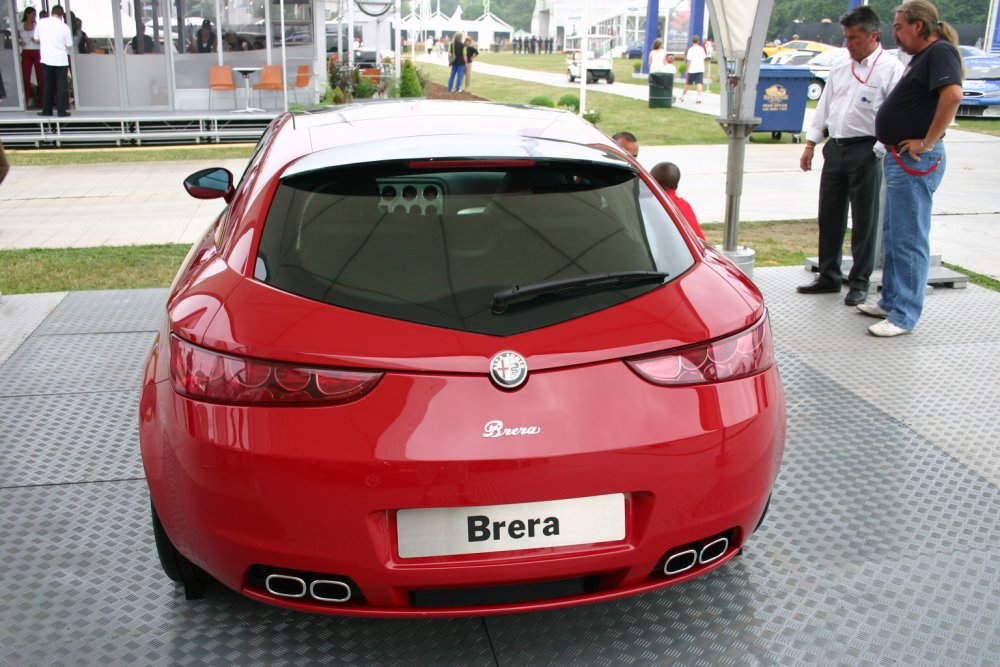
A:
610,78
590,78
815,89
175,565
571,77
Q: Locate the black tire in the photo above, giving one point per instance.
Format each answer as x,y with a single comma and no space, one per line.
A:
610,78
796,139
590,78
571,77
776,135
175,565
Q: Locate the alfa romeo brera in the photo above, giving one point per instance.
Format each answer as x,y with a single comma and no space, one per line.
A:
446,358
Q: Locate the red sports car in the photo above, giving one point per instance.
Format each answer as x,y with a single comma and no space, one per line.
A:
444,358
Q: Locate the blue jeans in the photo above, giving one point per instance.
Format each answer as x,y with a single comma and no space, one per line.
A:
457,72
906,234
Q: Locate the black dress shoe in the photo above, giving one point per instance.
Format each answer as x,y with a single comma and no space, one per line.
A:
818,286
855,296
64,114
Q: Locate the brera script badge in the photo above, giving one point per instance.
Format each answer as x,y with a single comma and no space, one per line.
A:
508,369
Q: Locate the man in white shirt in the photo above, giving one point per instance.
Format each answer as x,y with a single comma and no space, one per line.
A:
55,40
852,159
695,60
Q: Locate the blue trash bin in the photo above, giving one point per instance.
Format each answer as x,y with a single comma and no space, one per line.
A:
781,99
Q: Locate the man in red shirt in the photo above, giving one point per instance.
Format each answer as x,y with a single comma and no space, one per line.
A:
668,175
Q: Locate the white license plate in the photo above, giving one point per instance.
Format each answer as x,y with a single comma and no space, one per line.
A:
449,531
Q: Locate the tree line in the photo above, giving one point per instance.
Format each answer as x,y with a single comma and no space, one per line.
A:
518,12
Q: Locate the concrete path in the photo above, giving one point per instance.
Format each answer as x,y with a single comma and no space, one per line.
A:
137,203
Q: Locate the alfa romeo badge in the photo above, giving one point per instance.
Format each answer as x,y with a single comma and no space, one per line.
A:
508,369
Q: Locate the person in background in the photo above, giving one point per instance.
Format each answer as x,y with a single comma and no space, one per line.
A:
31,57
857,86
456,59
4,165
141,43
912,124
657,57
471,52
628,141
83,43
669,67
55,39
695,60
668,175
204,40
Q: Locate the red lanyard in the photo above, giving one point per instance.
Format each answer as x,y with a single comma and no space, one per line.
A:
915,172
870,71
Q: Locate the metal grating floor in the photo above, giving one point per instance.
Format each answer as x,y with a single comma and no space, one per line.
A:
882,546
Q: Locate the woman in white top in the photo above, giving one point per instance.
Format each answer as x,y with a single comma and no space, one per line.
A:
31,57
657,57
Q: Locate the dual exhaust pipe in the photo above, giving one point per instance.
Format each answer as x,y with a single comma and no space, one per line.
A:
682,561
324,590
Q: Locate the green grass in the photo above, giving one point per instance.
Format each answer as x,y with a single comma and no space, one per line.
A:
133,267
981,125
20,157
976,278
556,63
72,269
654,127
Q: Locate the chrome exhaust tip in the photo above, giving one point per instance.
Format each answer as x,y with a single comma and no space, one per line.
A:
330,590
285,586
713,550
680,562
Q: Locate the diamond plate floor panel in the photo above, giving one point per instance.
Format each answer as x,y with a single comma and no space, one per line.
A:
881,548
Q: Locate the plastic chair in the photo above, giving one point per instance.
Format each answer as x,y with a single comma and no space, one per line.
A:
270,79
302,79
220,77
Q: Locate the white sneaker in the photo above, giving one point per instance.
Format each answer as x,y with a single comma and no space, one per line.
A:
872,310
886,329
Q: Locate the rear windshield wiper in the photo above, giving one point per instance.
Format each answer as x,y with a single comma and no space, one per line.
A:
520,293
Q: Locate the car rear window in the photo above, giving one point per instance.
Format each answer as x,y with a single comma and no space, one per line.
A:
432,242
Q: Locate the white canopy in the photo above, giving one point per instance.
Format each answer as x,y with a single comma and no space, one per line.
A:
98,19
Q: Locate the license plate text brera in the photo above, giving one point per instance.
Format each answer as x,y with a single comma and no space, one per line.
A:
450,531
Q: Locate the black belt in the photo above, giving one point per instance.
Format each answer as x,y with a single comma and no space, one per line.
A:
852,140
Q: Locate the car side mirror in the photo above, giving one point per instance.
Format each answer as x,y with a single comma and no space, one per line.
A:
210,184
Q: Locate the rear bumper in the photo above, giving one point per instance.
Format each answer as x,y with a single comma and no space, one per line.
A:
317,490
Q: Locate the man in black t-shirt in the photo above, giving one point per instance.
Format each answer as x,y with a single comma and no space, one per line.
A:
911,124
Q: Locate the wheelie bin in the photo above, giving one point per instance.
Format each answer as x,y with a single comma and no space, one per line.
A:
781,99
661,90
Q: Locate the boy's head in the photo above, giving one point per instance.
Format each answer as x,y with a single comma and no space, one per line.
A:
667,174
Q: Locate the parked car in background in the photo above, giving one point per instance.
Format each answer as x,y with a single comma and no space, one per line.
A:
981,88
443,358
790,58
972,51
819,65
634,51
797,45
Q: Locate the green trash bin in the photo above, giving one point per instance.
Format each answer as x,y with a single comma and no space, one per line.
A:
661,90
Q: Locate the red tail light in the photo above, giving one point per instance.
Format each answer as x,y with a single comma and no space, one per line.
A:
740,355
222,378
